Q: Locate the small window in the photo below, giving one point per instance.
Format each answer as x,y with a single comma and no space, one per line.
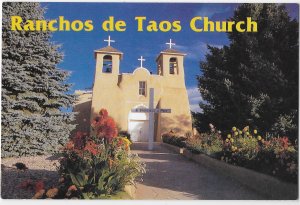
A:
107,64
142,88
173,65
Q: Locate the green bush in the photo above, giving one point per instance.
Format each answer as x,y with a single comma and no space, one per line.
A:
207,143
171,138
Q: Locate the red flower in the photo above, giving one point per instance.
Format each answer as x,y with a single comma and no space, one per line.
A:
25,184
91,147
79,140
72,188
105,126
39,185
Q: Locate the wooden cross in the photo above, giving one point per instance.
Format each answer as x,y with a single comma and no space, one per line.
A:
141,59
109,40
171,44
151,110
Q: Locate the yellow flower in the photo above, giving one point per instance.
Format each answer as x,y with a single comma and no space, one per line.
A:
231,140
259,137
232,148
127,141
229,136
227,140
247,133
240,132
255,131
234,129
236,133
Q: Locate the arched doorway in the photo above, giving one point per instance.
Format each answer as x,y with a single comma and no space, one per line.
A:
138,125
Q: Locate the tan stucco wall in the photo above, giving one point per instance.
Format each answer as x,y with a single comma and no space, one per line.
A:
83,109
118,93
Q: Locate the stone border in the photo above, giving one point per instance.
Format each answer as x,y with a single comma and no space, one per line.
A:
130,190
264,184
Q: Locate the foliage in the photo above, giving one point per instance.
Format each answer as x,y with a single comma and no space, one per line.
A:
254,80
173,139
33,88
208,143
274,155
99,165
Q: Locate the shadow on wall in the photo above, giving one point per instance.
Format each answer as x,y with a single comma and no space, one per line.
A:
83,116
178,124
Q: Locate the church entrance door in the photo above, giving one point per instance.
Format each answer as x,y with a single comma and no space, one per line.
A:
138,126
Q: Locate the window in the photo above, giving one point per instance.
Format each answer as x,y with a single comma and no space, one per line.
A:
107,64
173,65
142,88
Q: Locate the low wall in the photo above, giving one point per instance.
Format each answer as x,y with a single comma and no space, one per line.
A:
266,185
130,190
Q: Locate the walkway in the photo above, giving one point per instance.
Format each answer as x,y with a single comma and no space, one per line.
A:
171,176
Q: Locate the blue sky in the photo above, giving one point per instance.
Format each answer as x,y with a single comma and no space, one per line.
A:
78,47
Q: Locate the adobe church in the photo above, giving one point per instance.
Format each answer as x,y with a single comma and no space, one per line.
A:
122,93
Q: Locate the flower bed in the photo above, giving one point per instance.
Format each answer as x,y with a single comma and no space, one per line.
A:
275,156
96,166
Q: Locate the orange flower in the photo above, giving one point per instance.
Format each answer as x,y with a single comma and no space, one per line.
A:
69,145
52,192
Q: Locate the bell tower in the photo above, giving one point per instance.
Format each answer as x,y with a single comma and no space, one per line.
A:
106,76
170,63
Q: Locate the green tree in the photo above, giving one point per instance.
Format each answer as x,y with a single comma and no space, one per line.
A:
254,80
33,88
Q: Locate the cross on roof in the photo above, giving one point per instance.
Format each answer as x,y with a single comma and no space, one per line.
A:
109,40
141,59
170,43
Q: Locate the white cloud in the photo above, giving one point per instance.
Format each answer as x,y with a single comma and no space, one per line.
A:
194,98
197,50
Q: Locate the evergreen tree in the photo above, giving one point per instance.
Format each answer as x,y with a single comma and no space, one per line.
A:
254,80
33,88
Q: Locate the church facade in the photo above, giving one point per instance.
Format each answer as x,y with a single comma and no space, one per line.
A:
121,93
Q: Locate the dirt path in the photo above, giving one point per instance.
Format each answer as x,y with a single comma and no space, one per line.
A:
171,176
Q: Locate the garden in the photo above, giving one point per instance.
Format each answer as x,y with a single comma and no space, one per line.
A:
95,166
273,155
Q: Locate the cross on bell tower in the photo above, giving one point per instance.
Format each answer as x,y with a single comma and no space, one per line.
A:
141,59
171,44
109,41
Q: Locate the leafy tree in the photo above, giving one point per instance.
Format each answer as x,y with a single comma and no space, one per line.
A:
254,80
33,88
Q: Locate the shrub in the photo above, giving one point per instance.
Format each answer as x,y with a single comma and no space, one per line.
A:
274,156
99,165
171,138
207,143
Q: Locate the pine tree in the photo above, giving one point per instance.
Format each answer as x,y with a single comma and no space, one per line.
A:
33,88
254,80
